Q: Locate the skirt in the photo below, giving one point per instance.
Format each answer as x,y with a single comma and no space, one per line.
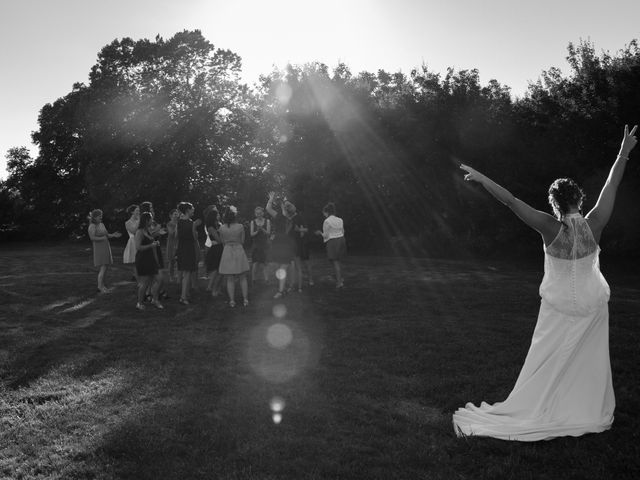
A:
146,263
186,254
336,248
282,249
564,387
233,261
102,253
259,252
214,254
129,255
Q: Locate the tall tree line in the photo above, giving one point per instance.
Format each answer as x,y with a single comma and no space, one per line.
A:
170,120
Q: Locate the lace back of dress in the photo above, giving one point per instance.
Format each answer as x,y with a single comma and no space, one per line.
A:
574,241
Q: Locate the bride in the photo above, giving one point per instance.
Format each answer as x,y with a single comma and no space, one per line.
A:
564,387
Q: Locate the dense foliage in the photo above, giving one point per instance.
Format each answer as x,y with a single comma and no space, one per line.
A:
170,120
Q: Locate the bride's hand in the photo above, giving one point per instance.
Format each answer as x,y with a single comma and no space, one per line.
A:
628,141
472,174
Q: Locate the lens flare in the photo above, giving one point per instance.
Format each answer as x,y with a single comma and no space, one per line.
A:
277,418
279,311
281,274
279,336
278,350
277,404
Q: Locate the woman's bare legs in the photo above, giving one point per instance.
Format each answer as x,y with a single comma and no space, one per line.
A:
281,274
231,290
155,289
186,286
143,284
101,275
254,267
309,272
338,270
245,289
297,269
215,280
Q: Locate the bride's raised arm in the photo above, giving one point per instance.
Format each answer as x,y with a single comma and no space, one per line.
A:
542,222
599,215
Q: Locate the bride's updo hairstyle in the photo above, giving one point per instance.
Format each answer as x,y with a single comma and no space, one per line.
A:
565,193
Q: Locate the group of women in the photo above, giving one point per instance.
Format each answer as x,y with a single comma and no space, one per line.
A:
280,241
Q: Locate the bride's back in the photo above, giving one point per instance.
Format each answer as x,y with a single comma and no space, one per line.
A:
573,282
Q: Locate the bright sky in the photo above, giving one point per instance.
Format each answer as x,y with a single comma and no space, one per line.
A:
47,45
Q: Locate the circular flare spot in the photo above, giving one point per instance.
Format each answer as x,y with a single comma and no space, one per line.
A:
277,404
279,336
277,418
281,274
279,311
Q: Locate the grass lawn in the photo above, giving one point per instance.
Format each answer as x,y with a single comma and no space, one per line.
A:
92,388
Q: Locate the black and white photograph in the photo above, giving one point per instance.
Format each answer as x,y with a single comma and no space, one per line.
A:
295,240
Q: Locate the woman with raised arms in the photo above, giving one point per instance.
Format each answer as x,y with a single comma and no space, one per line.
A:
564,387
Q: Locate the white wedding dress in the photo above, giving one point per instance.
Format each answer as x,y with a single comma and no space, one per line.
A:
564,387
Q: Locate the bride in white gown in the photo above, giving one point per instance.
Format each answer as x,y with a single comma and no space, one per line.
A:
564,387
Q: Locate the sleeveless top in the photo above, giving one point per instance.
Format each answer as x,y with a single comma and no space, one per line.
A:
184,230
573,283
231,234
261,237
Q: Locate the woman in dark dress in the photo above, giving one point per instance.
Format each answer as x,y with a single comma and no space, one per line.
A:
156,231
147,263
186,251
214,253
282,246
298,232
260,230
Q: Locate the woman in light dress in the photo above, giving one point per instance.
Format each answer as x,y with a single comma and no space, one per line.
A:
99,236
564,387
234,263
129,255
